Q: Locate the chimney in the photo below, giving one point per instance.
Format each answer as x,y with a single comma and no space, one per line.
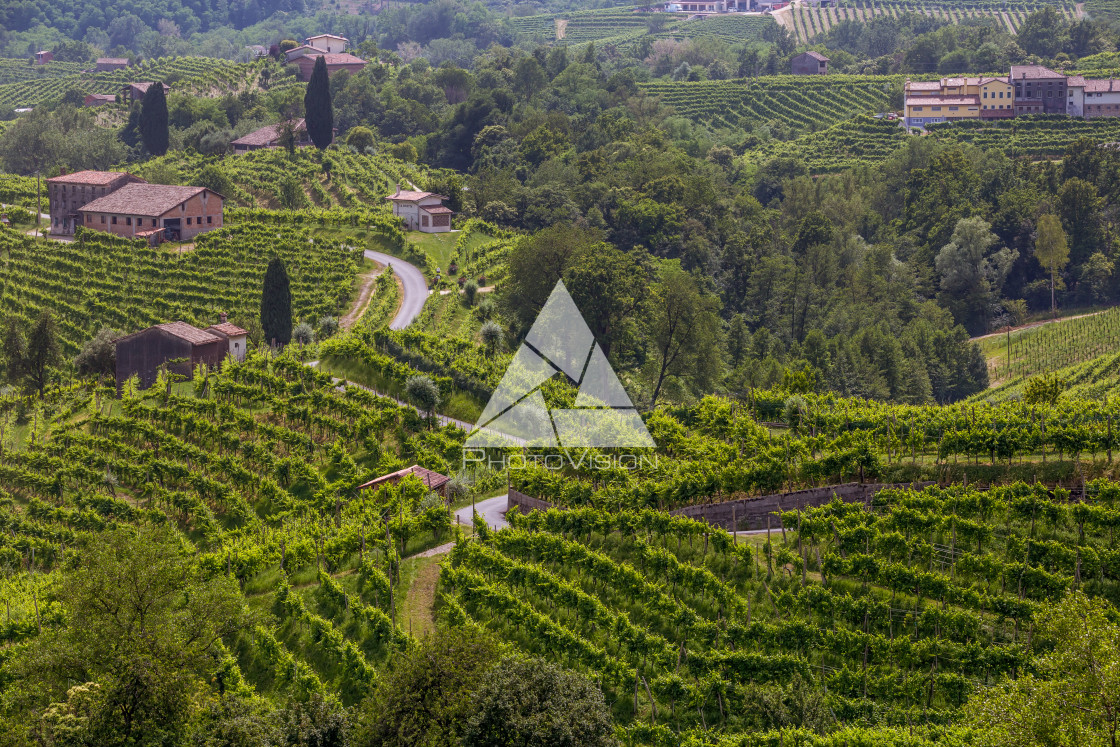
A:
223,317
62,171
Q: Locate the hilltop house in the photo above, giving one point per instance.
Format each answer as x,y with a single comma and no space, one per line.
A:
67,194
328,43
136,91
105,64
154,211
421,211
269,137
335,62
809,63
434,481
178,345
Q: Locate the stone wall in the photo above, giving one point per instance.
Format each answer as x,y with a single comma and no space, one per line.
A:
750,513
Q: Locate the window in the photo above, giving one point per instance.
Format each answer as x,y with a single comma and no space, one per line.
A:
985,95
936,108
917,108
114,220
953,108
128,221
102,220
1049,94
209,219
188,221
917,120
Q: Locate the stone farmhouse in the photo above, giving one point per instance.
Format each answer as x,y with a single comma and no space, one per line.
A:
809,63
335,62
178,346
421,211
125,205
43,56
1025,90
269,137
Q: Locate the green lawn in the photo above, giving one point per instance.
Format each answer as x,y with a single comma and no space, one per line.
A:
439,246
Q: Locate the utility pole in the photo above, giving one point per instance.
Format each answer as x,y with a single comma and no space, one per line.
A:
39,200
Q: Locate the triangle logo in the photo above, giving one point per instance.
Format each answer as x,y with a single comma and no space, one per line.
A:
560,341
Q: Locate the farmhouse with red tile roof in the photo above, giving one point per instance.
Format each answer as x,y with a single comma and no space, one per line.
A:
421,211
269,137
335,62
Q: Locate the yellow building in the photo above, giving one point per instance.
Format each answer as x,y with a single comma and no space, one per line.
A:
951,99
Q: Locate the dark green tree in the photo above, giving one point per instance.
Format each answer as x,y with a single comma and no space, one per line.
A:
43,351
15,351
318,111
153,120
276,304
99,354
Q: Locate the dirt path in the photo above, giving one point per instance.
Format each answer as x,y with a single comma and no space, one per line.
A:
361,303
417,609
1032,325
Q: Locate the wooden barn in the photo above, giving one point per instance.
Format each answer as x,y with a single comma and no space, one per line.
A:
178,345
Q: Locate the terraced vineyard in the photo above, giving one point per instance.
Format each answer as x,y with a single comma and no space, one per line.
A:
100,280
251,465
730,28
20,69
273,179
807,22
897,611
802,102
861,139
581,26
1049,347
199,75
1032,136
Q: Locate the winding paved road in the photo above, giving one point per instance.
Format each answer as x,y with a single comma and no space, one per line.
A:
414,288
491,509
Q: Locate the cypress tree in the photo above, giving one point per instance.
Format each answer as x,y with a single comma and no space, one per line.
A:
153,120
318,112
276,304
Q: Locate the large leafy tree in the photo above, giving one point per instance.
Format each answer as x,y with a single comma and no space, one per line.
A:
142,623
153,120
1052,251
43,351
971,273
317,108
276,304
532,702
684,330
425,698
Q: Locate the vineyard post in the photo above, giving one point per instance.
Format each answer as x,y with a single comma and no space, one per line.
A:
39,199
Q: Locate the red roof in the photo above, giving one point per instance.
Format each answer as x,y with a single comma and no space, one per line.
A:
435,209
944,100
815,55
96,178
407,196
336,59
182,330
151,200
112,61
1101,85
264,135
1033,72
228,329
433,480
923,85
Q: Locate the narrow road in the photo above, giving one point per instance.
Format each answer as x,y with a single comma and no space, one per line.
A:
1042,323
493,510
414,288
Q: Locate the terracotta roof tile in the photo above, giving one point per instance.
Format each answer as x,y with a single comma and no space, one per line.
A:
408,196
435,209
1033,72
188,332
96,178
1101,85
432,479
815,55
337,59
264,135
151,200
943,100
228,329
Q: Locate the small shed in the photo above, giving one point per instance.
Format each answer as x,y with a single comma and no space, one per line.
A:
98,99
809,63
236,338
42,57
269,137
105,64
435,482
178,345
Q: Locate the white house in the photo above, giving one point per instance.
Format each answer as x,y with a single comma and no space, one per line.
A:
1092,98
421,211
302,51
236,338
329,43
